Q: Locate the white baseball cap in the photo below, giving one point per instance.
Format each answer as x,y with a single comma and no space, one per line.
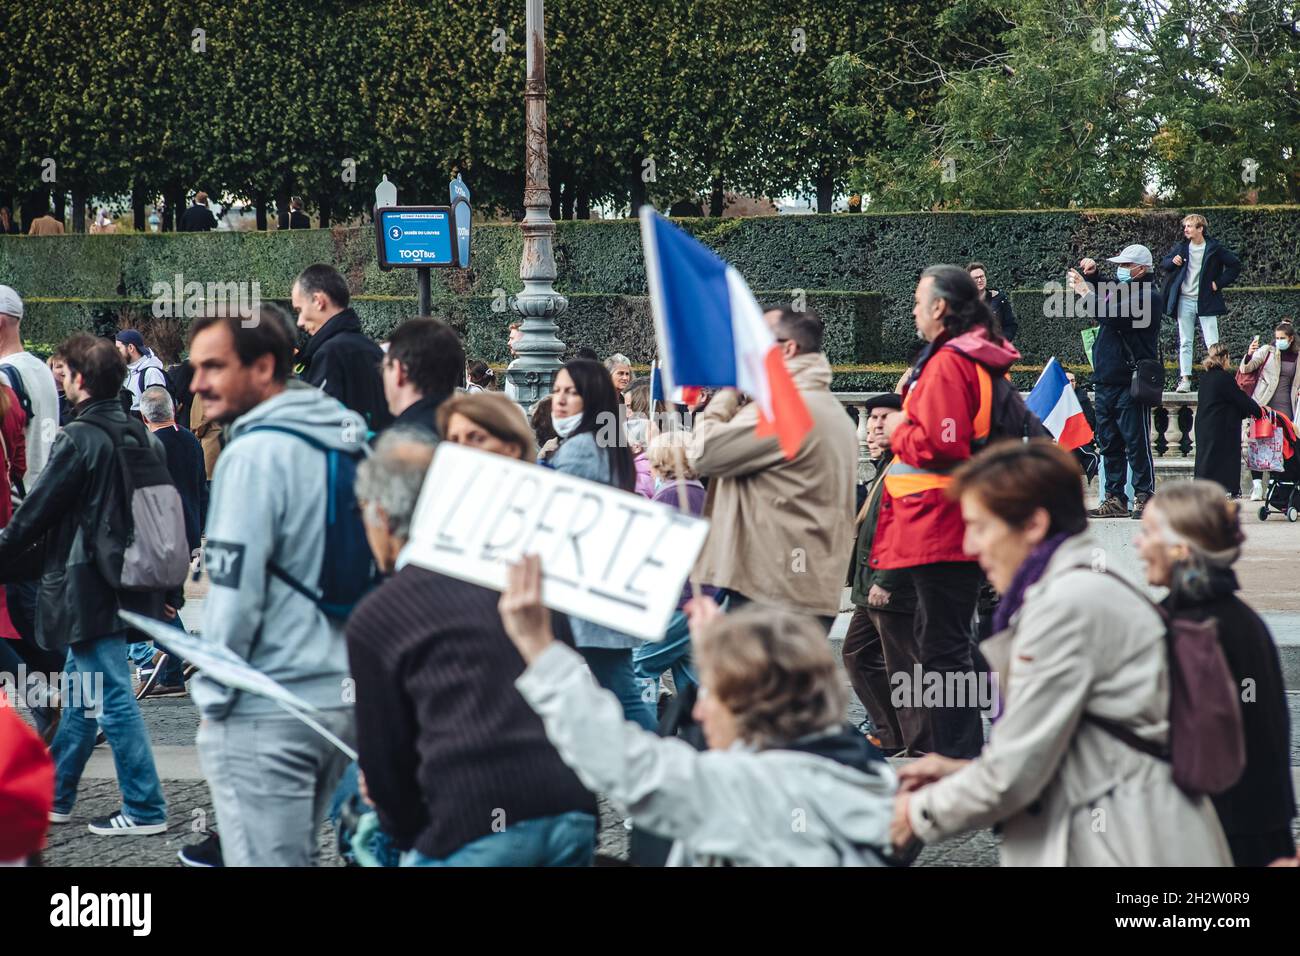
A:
1136,254
10,302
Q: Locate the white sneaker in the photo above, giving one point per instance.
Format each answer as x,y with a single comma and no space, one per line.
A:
1256,490
119,824
1184,384
56,817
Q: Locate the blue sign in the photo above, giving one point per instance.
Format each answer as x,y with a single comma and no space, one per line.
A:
414,236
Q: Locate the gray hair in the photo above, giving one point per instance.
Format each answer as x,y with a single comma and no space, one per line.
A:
618,358
391,478
156,405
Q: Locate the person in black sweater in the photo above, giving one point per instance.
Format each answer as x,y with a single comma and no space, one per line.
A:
198,218
1220,407
1190,539
455,762
423,367
339,359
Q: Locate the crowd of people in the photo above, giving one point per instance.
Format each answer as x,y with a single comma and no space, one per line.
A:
486,725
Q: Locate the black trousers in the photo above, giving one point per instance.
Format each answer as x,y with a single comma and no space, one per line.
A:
1124,440
946,594
880,644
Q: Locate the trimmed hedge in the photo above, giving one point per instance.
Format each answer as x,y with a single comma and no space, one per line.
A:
880,253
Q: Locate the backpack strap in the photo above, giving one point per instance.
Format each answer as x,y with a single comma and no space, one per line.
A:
276,570
1113,727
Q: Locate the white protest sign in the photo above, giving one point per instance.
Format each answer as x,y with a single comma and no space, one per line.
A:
608,556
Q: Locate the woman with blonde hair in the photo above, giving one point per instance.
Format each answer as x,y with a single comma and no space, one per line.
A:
785,782
1190,538
1221,406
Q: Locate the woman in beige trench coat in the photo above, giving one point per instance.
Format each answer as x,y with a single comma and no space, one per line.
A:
1070,641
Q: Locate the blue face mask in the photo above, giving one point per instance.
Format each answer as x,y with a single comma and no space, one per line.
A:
1123,274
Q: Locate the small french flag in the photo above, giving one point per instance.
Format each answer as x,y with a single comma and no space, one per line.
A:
712,333
1056,405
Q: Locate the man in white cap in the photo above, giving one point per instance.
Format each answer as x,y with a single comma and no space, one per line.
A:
33,382
1128,311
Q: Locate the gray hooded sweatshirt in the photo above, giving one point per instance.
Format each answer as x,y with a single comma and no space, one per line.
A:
268,504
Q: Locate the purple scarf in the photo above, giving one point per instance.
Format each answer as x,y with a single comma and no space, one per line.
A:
1026,576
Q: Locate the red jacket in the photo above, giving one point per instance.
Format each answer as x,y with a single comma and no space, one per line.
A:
26,787
947,408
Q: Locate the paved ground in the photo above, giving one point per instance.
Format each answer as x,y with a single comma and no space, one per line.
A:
1266,570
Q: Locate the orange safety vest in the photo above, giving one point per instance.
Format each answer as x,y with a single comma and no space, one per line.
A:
904,479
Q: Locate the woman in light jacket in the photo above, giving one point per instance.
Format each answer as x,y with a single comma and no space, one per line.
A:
1071,642
1278,386
593,445
785,781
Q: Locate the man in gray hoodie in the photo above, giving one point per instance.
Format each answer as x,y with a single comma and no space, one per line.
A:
270,775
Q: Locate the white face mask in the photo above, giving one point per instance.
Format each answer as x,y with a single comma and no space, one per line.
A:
564,427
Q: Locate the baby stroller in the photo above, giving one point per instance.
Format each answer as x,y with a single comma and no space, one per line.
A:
1271,447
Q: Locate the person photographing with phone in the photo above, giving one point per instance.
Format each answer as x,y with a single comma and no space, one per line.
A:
1127,377
1277,387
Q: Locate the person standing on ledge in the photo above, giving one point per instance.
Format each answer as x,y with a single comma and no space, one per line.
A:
1202,268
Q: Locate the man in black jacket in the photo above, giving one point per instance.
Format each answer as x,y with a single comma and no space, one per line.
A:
999,303
423,367
1128,312
77,608
294,217
340,359
198,218
1201,268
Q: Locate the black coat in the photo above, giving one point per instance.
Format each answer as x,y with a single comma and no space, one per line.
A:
1219,267
1262,802
999,304
343,362
422,414
1220,407
75,603
197,219
1127,314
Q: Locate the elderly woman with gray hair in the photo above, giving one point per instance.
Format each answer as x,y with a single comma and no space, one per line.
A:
785,781
619,367
456,764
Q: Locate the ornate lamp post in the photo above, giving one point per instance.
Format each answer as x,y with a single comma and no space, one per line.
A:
531,374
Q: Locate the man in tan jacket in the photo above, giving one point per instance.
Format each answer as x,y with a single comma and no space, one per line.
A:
781,531
46,225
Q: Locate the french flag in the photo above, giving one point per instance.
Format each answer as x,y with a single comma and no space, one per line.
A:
712,333
1058,408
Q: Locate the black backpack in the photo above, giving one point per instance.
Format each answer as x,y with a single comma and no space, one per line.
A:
1010,417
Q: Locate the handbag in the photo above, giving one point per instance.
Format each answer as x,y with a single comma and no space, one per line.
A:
1264,444
1148,384
1246,381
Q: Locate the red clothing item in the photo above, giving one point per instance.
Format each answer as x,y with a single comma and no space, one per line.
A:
941,404
26,787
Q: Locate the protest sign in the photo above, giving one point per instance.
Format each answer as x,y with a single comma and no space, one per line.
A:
608,556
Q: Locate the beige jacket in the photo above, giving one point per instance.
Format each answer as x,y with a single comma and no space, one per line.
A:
1267,356
781,532
45,226
1068,793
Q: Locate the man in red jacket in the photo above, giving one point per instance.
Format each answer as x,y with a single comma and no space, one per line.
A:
946,417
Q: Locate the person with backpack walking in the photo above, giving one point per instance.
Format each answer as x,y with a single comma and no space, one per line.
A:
78,603
1190,538
1073,647
286,558
948,413
144,369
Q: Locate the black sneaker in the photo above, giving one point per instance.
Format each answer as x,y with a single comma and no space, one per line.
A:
1112,507
207,852
1139,502
119,824
189,671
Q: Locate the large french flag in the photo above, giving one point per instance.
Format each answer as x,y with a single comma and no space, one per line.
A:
1056,405
712,333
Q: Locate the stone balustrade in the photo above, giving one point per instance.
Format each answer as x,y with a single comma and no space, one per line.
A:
1172,434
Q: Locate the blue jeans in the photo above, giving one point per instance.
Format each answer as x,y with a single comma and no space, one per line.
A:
140,653
349,792
673,653
1187,319
612,668
119,715
567,839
